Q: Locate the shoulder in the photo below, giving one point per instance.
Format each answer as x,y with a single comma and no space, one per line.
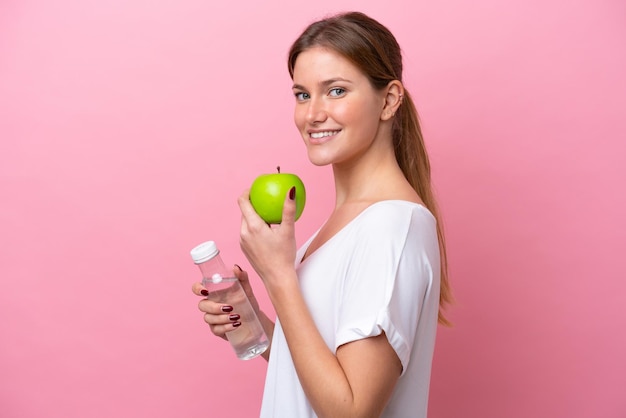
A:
395,224
399,207
396,214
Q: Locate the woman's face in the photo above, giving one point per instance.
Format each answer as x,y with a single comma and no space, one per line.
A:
338,111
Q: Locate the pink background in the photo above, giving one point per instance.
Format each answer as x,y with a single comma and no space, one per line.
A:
128,129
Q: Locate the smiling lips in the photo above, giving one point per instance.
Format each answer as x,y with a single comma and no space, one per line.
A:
320,137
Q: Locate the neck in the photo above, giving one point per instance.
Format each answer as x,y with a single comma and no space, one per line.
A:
372,177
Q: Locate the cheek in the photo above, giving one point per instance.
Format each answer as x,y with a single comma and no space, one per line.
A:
298,117
344,111
371,114
300,122
355,112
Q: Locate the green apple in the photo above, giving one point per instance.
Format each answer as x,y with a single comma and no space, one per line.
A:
268,193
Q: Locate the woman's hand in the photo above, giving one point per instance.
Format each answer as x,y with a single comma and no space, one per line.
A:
270,249
220,316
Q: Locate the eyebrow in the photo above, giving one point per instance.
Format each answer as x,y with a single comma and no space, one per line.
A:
324,83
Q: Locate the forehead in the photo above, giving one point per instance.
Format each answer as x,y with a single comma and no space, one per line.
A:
319,63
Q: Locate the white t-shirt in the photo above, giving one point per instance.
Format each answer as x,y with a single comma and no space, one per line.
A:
379,273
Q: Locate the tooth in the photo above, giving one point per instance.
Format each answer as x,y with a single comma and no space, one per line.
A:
318,135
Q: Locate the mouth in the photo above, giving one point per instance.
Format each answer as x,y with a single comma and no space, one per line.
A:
319,137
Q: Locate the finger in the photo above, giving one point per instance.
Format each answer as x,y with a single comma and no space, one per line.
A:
224,319
289,208
221,330
247,211
214,308
221,324
199,290
242,276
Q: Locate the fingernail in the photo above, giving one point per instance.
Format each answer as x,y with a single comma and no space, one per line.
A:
292,193
227,308
204,292
236,324
237,265
234,317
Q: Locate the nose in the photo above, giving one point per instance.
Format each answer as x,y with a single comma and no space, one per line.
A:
316,111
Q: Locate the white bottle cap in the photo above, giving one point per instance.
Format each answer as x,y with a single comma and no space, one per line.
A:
204,252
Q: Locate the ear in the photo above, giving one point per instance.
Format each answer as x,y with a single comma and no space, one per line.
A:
393,99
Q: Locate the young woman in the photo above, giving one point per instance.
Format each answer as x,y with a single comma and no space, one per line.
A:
358,304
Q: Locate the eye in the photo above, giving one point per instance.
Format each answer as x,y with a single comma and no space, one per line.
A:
337,92
301,96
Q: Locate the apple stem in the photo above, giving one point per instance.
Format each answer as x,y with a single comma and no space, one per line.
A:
278,169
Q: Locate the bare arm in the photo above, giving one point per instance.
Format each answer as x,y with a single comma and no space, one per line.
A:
357,382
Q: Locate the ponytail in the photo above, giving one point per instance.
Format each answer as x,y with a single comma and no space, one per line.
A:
413,160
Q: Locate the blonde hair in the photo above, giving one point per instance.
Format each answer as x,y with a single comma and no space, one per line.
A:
374,50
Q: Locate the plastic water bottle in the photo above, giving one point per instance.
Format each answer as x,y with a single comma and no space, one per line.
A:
248,340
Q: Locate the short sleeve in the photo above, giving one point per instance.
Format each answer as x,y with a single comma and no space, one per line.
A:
390,273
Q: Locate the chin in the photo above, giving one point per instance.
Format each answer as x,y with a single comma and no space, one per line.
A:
319,162
322,157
